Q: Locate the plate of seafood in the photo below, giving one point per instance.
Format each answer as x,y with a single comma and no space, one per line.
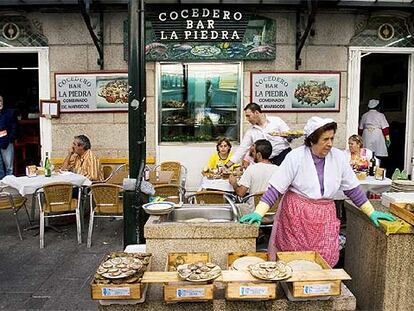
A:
120,267
205,50
288,134
271,270
199,272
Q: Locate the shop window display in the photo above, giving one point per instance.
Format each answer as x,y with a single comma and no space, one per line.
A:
199,102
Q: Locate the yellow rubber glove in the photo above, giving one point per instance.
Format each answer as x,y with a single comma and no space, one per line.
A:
262,208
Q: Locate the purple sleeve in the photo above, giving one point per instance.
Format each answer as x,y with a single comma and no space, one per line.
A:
357,195
270,196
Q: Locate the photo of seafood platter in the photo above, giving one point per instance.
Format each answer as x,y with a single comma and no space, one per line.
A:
112,91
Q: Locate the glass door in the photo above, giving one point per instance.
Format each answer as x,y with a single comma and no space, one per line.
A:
199,102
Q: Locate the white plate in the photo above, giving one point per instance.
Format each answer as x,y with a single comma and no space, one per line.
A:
158,208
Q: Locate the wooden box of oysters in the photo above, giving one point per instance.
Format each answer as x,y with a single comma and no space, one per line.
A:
197,273
248,290
119,276
308,261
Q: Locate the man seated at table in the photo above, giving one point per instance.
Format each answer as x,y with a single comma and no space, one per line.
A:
256,177
81,160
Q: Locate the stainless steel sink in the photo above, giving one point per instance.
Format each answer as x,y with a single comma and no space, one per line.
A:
193,213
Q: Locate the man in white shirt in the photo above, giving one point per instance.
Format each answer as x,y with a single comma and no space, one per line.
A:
256,177
262,126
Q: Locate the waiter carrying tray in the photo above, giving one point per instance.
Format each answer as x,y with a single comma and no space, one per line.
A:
262,127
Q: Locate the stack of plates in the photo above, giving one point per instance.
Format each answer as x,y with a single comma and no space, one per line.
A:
158,208
402,185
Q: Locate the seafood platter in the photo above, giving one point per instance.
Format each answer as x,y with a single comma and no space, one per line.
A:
241,262
199,271
119,271
288,134
271,270
115,92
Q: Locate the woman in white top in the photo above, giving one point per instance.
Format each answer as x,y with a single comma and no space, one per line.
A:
357,156
308,179
374,130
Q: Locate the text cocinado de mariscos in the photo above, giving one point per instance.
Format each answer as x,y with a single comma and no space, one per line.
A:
200,29
271,94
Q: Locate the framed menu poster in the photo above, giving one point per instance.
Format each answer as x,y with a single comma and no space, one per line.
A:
305,91
92,92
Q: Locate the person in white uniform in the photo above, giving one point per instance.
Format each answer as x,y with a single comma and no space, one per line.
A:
262,127
308,179
374,130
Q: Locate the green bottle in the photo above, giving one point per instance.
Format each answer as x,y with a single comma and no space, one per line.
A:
48,169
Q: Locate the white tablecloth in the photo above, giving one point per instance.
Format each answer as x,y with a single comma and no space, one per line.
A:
216,184
369,184
28,185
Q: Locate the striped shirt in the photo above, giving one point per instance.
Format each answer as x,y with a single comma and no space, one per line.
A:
87,165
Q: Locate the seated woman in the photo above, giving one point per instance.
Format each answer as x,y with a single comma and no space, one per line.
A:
222,155
358,156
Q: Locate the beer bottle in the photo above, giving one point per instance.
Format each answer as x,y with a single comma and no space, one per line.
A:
48,168
372,163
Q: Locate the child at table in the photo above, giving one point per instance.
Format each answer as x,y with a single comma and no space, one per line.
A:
222,155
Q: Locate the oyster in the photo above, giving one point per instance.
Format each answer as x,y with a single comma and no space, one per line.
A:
199,272
271,270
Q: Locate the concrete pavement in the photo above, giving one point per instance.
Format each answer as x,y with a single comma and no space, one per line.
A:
56,277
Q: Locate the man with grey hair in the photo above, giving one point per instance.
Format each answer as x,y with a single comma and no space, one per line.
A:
81,159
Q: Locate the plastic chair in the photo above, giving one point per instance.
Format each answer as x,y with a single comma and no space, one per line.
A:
58,202
170,192
208,197
15,203
105,201
117,176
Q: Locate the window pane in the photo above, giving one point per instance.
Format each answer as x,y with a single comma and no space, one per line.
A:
199,102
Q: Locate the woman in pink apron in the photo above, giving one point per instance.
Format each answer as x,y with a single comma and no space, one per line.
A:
309,178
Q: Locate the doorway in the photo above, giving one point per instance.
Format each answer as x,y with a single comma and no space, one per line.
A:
19,86
356,56
385,77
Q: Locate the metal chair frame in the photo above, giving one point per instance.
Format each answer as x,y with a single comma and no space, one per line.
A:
96,204
271,212
46,207
12,202
117,176
218,197
175,189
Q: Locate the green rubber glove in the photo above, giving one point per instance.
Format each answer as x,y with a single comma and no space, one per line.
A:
251,218
375,215
388,143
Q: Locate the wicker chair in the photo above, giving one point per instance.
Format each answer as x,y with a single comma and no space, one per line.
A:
107,171
170,192
15,203
208,197
58,202
117,176
180,171
105,201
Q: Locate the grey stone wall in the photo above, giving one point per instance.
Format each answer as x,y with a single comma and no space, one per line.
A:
72,50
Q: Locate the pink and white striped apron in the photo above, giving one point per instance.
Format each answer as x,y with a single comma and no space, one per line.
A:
303,224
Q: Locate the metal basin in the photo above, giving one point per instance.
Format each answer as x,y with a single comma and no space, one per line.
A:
190,213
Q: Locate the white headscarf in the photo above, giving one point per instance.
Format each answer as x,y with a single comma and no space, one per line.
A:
373,103
314,123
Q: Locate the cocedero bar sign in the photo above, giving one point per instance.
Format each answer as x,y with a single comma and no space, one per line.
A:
199,24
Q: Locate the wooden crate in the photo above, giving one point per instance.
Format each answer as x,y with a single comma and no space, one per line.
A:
184,291
309,289
249,290
121,291
400,210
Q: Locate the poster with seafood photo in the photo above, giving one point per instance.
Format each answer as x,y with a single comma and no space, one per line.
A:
296,91
92,92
